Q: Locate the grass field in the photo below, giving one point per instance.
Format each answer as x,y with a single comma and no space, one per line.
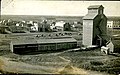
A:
95,60
92,60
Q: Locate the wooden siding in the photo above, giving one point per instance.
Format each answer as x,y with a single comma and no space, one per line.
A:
26,48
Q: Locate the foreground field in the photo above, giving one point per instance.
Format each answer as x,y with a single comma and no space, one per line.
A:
91,62
95,60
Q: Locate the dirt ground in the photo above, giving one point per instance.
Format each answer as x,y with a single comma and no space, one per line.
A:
68,62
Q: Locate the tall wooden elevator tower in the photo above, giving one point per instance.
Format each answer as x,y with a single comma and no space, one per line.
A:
94,26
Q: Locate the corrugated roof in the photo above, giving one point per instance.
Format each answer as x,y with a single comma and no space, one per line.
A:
18,42
90,16
56,40
42,41
95,6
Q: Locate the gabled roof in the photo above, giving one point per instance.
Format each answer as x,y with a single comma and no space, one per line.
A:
108,42
90,16
116,43
95,6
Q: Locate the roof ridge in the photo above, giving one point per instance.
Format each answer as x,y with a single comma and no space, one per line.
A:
94,6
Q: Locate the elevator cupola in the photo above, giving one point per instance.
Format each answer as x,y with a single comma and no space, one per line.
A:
97,9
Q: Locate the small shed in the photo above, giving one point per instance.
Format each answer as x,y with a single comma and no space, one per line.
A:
110,45
116,44
113,45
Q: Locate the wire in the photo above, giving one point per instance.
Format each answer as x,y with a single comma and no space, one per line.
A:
7,3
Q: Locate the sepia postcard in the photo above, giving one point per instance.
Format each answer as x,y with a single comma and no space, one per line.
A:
60,37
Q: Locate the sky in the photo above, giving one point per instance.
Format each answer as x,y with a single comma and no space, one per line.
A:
57,8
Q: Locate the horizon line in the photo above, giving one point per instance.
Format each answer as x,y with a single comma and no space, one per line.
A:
55,15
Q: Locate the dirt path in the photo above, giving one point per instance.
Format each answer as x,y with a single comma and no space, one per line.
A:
6,65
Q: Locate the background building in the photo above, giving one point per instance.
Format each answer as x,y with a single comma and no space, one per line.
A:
113,22
67,27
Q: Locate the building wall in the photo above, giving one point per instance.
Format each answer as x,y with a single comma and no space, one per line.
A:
96,27
27,48
109,24
87,32
113,24
103,24
116,24
92,11
111,47
97,30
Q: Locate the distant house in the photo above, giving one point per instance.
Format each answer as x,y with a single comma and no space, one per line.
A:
4,29
76,27
59,25
17,29
67,27
113,22
52,26
109,24
43,27
34,27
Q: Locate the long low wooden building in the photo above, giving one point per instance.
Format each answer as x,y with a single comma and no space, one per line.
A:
39,45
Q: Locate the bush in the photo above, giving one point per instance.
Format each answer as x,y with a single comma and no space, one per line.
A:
96,63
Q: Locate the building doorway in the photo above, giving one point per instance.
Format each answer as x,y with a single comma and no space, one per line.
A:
98,41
